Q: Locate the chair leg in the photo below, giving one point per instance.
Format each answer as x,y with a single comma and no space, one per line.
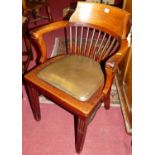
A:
107,102
80,132
34,101
48,11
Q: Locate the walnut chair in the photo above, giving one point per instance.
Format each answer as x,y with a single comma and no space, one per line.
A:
32,7
81,79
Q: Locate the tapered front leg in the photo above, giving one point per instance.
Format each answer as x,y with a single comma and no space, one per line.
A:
80,132
34,100
107,102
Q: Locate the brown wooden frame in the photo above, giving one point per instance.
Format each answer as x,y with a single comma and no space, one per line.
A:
84,111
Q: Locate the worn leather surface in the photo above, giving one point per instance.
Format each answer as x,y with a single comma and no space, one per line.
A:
78,76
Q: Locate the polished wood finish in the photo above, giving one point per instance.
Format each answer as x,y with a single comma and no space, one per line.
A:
81,35
88,45
38,41
33,8
34,100
82,124
58,96
92,13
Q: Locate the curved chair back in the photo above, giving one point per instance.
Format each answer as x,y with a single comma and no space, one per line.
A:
95,30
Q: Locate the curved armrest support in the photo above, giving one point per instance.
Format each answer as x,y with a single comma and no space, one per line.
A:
36,36
113,61
112,65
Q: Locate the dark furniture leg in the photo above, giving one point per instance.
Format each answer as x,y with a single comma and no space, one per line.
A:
80,132
34,100
107,102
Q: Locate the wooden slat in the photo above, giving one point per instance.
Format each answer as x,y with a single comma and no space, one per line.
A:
107,51
101,44
93,51
75,40
91,41
105,47
86,41
81,38
117,44
66,40
70,41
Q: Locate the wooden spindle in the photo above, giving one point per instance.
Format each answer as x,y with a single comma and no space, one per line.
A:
93,51
71,39
105,47
101,44
117,44
86,41
81,38
107,51
75,40
66,41
91,41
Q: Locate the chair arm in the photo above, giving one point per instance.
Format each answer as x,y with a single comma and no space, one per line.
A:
38,42
49,27
111,66
113,61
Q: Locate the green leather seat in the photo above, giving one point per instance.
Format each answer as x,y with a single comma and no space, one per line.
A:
78,76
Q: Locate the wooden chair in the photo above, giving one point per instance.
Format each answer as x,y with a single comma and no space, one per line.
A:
80,79
32,7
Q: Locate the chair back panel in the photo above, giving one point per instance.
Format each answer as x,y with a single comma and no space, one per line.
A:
91,42
113,20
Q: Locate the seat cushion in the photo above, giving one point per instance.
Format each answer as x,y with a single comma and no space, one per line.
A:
78,76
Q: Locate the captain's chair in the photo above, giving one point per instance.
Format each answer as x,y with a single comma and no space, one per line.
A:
80,79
